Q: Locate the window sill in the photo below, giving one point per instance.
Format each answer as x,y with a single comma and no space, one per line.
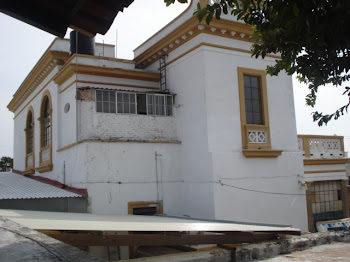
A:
28,172
45,168
263,153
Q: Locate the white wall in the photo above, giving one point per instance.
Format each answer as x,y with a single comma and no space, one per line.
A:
208,124
186,79
123,172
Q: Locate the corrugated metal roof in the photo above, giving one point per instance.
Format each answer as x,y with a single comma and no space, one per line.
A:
14,186
93,222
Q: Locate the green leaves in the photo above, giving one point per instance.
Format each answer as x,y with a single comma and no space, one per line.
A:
169,2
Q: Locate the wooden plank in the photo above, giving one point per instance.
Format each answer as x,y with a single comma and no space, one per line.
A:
157,239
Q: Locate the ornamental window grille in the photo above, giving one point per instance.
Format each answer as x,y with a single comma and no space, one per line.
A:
253,103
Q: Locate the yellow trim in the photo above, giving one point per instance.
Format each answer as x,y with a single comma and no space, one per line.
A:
119,141
107,84
69,146
29,169
188,30
139,204
71,69
45,166
34,97
215,46
254,148
336,161
28,172
49,57
320,136
252,153
324,171
67,86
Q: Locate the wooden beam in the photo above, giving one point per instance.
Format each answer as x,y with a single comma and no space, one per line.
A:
158,239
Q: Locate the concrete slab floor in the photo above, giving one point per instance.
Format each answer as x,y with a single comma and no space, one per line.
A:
335,251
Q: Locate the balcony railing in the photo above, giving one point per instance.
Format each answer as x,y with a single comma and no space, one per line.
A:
321,147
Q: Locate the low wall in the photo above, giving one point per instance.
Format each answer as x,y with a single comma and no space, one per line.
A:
253,252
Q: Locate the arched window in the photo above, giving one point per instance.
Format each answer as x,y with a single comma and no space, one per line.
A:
45,157
30,163
30,133
47,123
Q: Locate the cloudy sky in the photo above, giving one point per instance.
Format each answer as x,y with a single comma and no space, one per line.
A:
22,45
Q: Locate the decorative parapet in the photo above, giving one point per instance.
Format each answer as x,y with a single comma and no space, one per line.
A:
321,147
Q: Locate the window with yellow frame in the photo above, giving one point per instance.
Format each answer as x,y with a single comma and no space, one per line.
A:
254,114
45,120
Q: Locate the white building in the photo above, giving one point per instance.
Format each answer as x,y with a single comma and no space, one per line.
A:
219,142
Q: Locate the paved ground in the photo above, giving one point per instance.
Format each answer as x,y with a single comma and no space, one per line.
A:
336,251
21,244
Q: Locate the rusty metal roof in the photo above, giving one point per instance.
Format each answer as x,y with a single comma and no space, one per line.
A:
55,16
14,186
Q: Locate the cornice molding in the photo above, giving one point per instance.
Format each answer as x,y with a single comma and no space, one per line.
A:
252,153
188,30
330,161
71,69
44,66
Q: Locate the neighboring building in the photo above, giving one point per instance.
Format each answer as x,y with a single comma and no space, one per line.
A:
210,136
19,192
325,175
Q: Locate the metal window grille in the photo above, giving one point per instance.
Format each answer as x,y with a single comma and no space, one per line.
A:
326,197
159,105
105,101
126,103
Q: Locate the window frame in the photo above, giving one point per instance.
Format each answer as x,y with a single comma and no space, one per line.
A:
123,103
30,135
256,149
147,96
109,101
45,165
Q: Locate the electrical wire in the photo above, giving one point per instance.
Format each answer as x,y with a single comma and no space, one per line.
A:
262,177
258,191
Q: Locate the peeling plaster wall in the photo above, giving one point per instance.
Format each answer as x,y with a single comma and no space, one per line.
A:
95,125
125,172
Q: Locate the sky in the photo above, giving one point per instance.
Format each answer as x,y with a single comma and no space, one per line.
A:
22,45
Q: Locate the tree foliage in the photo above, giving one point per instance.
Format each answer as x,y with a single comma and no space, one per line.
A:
311,36
4,162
